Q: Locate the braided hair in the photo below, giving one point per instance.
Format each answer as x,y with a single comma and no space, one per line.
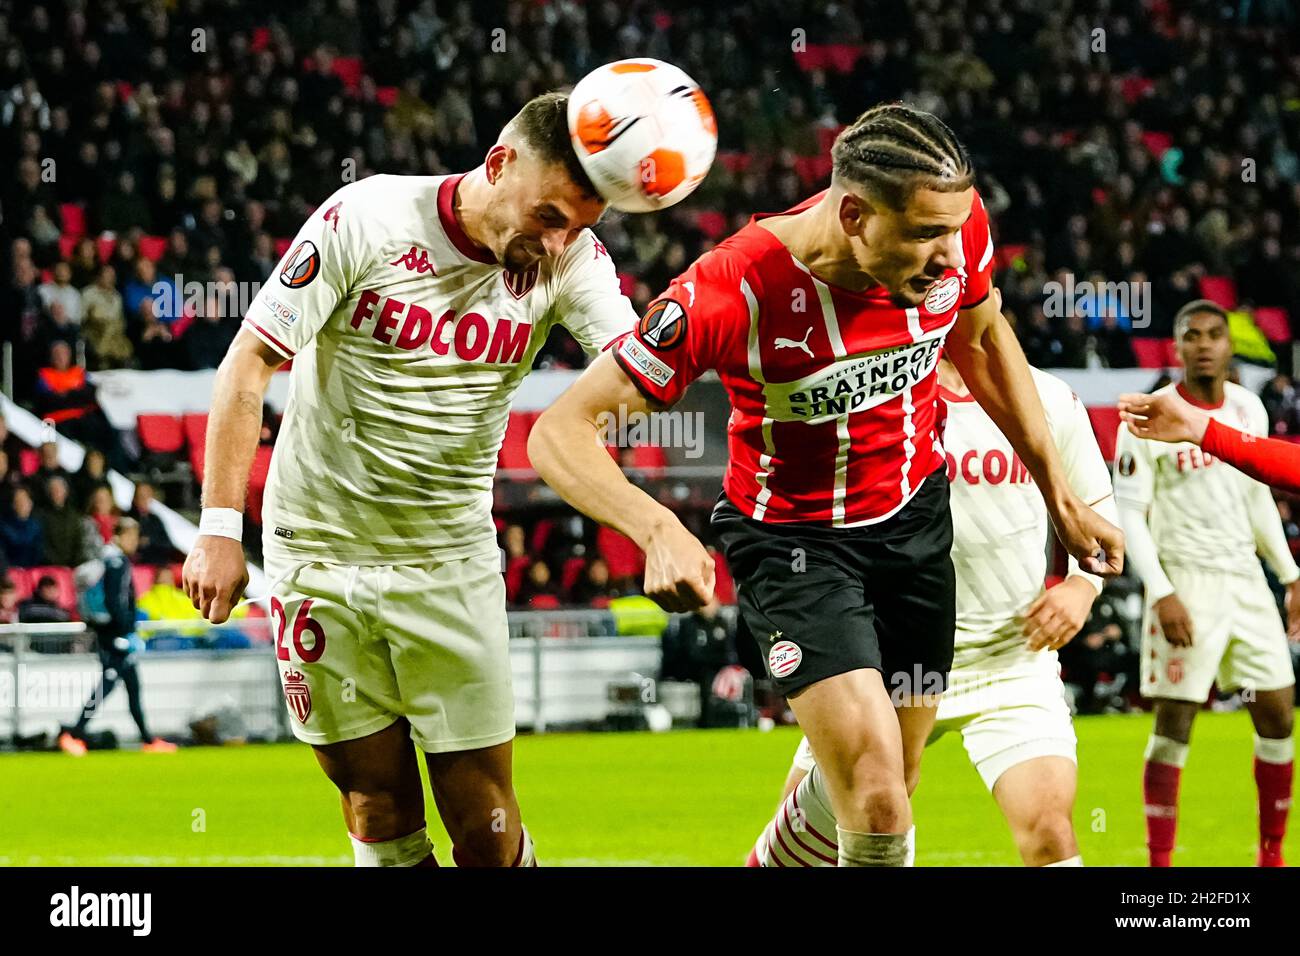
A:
893,149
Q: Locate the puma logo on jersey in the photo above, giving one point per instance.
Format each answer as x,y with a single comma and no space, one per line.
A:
418,264
784,343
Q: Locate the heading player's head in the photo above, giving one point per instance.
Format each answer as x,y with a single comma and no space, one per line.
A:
904,186
540,198
1204,345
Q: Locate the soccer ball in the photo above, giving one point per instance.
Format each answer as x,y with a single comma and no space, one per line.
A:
644,132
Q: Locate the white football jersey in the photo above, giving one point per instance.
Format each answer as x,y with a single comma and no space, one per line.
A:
1000,524
407,344
1201,512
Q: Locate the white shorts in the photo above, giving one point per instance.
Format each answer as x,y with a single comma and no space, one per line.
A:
360,646
1237,639
1004,716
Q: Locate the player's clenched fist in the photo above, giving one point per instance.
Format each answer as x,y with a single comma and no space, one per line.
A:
1175,622
215,576
1095,543
678,570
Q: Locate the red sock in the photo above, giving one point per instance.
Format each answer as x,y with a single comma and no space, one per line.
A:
1274,783
1160,795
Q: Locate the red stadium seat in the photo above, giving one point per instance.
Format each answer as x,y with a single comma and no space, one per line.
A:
1105,425
386,95
23,583
514,447
1274,322
153,247
649,458
1220,289
349,70
622,555
195,426
257,482
282,246
735,162
711,222
843,57
571,572
29,461
161,434
1006,255
143,577
104,246
1157,143
812,170
724,586
67,245
177,568
74,219
812,57
516,568
543,602
1152,353
63,577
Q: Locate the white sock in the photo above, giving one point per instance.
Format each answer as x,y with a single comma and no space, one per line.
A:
1275,750
1166,750
871,849
1075,860
527,854
404,851
803,831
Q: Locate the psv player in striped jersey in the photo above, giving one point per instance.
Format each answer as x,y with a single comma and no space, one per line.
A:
825,324
1005,696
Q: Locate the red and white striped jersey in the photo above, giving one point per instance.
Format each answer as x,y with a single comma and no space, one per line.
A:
833,392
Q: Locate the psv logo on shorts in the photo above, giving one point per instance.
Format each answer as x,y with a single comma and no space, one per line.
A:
784,658
297,694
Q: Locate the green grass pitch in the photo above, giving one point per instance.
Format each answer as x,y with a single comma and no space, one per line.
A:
689,798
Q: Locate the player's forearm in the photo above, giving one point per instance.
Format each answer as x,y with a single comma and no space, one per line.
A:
234,425
1140,549
565,448
1269,460
995,370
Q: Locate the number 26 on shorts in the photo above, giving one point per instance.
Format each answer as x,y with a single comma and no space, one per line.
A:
301,622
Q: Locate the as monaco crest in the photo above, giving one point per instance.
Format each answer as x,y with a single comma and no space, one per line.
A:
297,694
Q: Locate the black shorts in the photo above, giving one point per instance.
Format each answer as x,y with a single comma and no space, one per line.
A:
822,601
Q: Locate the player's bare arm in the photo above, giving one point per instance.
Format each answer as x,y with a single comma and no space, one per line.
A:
1163,417
985,351
215,573
566,449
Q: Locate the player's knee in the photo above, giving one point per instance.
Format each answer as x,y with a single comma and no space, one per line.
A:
1047,838
881,807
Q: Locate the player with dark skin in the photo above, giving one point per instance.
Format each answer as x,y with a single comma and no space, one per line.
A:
519,208
1205,349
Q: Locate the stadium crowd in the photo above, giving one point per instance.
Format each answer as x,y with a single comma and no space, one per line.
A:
154,145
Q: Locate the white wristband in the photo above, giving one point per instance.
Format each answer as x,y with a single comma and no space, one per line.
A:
223,522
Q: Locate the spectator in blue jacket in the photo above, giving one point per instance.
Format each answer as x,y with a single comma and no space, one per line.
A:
22,533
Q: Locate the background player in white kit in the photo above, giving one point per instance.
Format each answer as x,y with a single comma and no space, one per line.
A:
1195,527
1005,695
412,307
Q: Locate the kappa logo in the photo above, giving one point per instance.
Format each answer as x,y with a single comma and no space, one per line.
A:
297,694
418,264
802,344
784,658
301,266
332,215
664,325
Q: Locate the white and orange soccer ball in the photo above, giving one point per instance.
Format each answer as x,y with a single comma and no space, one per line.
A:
644,132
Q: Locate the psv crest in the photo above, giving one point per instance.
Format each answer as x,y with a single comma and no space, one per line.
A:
297,694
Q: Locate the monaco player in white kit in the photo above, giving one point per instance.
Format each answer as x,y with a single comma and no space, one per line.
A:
1196,529
1005,695
412,307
